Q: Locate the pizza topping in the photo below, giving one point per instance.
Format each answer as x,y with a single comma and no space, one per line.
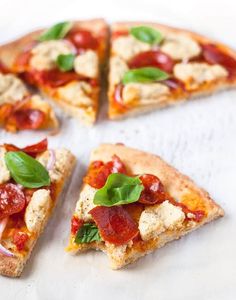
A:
4,174
115,224
119,189
56,32
118,68
65,62
12,200
180,47
76,224
86,64
22,60
26,171
20,239
3,68
152,58
82,39
144,75
87,233
195,74
146,34
214,55
98,171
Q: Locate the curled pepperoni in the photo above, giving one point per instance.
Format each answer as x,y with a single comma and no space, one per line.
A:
76,223
30,150
12,199
98,171
20,239
82,39
153,58
115,224
214,55
153,190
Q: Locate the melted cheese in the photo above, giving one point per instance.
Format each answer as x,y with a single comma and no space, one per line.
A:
195,74
86,64
118,68
12,89
45,54
180,46
38,210
127,46
156,219
76,93
145,93
4,172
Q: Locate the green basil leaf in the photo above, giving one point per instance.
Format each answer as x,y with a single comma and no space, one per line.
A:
65,62
146,34
56,32
87,233
147,74
26,170
119,189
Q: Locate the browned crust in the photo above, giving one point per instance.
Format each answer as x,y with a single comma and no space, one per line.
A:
13,266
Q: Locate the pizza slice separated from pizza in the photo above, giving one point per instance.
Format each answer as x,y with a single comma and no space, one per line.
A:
64,63
31,180
152,66
133,202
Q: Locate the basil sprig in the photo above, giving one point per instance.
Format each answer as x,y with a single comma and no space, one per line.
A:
87,233
65,62
56,32
119,189
146,74
146,34
26,170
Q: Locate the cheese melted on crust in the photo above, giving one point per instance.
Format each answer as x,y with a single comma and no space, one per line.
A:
118,68
86,64
4,172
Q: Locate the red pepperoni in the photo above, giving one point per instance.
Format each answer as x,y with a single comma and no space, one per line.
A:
30,150
82,39
98,171
56,78
26,119
76,223
20,239
214,55
153,58
22,61
115,224
153,190
3,68
12,199
117,34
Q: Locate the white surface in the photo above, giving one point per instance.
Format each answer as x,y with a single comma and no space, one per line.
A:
197,137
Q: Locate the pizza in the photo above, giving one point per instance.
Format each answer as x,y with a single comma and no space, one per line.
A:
19,108
63,62
153,66
31,180
132,203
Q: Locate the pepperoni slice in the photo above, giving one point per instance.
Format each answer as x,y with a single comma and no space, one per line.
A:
32,150
98,171
117,34
153,190
115,224
153,58
214,55
55,78
82,39
22,61
20,239
76,223
26,119
12,199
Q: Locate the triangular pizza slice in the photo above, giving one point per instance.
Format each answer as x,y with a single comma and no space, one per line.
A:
31,180
133,202
153,66
63,61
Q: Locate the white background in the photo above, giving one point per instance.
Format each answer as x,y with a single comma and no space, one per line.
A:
197,137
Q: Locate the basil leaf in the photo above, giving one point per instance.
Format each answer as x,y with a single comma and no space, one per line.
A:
56,32
119,189
147,74
147,34
65,62
26,170
87,233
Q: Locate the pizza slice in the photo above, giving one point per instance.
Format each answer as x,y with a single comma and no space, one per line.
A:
133,202
63,62
31,180
20,109
153,66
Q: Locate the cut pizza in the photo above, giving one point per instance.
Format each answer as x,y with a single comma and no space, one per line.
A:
63,62
153,66
133,202
31,180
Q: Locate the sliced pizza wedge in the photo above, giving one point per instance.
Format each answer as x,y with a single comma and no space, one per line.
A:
63,62
133,202
31,180
153,66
